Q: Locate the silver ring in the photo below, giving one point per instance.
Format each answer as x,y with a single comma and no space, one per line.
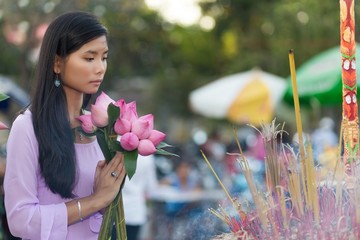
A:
114,174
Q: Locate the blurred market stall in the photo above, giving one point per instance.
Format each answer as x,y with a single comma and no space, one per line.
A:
246,97
319,79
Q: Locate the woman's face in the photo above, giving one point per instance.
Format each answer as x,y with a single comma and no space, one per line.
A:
83,71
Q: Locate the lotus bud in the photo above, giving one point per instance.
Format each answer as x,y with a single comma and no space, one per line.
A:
3,126
146,147
149,118
99,116
86,123
103,101
131,112
127,110
99,110
141,128
129,141
156,137
122,126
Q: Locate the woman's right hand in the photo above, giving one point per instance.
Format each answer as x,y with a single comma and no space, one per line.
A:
106,184
106,187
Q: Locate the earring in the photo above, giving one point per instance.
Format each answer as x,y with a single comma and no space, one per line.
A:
57,82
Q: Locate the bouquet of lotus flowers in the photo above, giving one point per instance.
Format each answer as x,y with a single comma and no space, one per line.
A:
118,128
3,97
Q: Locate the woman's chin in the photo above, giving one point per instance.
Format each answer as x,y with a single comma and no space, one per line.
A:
92,91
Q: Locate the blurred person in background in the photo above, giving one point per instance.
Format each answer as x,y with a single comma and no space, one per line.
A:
184,179
324,137
325,146
215,151
57,184
179,213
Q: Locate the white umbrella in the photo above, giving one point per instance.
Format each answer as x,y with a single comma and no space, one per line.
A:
246,97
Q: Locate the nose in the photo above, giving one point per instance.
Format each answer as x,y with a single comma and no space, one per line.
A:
101,67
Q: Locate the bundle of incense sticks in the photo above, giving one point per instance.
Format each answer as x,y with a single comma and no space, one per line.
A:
299,205
296,203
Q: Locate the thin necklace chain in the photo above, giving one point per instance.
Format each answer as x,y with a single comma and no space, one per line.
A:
81,136
79,133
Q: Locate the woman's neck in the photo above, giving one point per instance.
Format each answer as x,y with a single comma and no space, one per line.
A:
74,103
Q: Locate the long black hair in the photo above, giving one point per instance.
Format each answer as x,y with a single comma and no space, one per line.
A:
65,35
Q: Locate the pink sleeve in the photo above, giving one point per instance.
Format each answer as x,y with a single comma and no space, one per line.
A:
27,218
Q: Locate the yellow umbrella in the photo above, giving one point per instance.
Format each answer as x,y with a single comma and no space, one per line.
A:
247,97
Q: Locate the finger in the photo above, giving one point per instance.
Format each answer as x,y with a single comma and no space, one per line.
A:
119,156
121,171
99,166
114,161
118,171
117,160
112,165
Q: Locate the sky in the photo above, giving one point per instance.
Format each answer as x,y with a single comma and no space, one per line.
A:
183,12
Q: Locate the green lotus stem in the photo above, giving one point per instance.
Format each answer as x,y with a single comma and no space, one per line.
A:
106,226
114,214
120,224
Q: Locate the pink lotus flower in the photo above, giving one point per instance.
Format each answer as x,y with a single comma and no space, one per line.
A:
129,141
146,147
127,110
149,118
156,137
86,123
99,114
103,101
122,126
3,126
143,126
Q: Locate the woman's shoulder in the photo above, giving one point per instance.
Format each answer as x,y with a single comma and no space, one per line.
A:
23,121
23,118
22,130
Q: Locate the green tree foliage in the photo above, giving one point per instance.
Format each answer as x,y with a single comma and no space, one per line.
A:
173,60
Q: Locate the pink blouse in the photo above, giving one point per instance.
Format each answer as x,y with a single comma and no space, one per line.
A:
33,211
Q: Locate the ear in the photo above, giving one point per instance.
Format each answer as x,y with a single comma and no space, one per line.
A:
57,64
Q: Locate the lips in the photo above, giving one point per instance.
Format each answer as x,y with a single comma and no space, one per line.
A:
96,81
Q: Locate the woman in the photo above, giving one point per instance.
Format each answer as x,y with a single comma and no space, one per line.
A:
56,185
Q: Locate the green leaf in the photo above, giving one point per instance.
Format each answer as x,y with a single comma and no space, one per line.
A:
164,152
3,96
130,158
161,151
113,114
115,146
162,145
101,137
